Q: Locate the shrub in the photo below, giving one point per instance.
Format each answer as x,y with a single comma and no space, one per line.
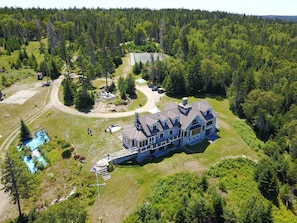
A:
66,154
76,157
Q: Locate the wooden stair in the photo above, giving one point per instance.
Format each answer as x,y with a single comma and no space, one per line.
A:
103,171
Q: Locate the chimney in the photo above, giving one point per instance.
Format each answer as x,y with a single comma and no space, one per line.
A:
185,101
136,118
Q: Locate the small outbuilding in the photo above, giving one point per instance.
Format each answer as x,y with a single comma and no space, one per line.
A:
39,76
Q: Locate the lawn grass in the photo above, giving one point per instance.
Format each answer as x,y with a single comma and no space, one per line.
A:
124,68
129,185
11,114
137,102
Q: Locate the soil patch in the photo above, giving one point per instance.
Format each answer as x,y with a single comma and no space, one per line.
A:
20,97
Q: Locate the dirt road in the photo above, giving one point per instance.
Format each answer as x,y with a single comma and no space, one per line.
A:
54,102
152,99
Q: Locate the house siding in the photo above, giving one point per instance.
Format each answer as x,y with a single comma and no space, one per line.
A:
177,126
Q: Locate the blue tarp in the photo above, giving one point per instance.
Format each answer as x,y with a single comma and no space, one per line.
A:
30,163
40,138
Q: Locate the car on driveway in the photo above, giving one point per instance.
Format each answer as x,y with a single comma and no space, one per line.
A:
155,88
46,84
161,90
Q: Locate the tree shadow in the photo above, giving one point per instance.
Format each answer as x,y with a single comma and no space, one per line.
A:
85,110
133,96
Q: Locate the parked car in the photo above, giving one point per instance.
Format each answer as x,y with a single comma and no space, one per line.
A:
46,84
154,88
161,90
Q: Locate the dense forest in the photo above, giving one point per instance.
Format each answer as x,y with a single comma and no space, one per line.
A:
249,60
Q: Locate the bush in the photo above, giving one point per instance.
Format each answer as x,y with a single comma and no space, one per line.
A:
66,154
76,157
64,144
248,135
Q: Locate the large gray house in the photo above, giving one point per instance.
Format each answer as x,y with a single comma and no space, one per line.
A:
177,126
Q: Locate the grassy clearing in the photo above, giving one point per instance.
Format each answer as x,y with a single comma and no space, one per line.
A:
33,47
138,102
11,114
124,68
130,184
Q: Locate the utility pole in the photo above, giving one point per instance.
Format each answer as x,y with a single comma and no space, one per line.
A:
98,188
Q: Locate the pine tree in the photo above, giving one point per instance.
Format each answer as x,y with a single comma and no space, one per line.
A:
130,84
122,87
25,132
69,91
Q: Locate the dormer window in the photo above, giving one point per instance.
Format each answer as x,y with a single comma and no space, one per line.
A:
176,120
138,126
165,123
194,122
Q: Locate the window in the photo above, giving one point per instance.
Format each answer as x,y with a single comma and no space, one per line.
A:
151,140
196,131
209,123
170,132
194,122
154,127
161,135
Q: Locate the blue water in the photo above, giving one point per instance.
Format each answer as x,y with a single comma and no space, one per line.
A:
40,138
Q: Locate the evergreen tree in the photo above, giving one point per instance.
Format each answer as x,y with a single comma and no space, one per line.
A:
136,69
17,180
195,79
83,99
25,132
69,91
256,210
174,82
184,44
265,175
218,206
122,87
130,84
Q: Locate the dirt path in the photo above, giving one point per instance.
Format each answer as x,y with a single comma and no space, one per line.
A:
5,206
152,99
54,102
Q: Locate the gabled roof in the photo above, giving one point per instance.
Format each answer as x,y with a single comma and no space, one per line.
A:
187,120
171,112
132,133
